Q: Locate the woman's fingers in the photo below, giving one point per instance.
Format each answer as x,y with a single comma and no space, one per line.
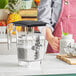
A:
55,44
55,48
56,40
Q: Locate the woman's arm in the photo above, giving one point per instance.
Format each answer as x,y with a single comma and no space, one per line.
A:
44,14
52,40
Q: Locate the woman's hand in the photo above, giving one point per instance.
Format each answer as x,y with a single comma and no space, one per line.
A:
52,40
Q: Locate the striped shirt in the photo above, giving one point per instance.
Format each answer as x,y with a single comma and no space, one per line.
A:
49,12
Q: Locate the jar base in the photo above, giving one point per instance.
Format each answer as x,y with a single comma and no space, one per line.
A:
31,65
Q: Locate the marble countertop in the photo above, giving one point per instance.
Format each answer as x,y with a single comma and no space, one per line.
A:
50,65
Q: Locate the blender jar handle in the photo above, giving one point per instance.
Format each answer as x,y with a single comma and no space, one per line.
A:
9,35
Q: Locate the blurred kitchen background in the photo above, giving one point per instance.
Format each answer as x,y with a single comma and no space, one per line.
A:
11,11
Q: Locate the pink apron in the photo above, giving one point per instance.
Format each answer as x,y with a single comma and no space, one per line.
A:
68,19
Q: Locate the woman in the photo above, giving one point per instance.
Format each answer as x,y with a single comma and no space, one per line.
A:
55,12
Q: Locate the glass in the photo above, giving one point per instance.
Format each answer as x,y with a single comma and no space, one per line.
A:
26,4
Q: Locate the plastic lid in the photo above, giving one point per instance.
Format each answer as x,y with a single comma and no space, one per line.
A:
29,23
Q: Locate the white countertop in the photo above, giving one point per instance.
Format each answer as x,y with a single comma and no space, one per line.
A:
51,65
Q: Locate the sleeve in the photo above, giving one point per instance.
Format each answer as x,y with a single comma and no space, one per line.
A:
44,13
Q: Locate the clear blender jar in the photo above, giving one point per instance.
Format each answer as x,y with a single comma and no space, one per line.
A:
31,43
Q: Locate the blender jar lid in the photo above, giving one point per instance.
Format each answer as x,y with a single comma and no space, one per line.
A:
29,23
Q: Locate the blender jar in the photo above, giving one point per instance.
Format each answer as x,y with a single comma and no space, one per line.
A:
31,44
31,47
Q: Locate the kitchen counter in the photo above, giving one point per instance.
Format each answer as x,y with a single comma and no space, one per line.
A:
50,65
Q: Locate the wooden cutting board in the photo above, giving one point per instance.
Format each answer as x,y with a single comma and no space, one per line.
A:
67,59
